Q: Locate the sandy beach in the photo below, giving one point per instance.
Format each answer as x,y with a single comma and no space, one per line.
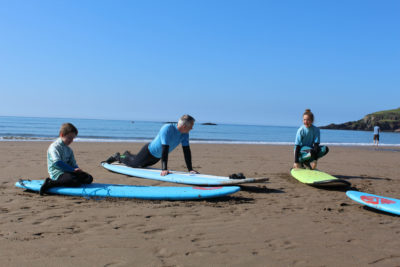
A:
278,223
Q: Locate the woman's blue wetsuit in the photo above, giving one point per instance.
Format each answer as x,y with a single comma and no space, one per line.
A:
307,148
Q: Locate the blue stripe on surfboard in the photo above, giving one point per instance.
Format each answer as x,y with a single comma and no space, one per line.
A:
179,177
391,205
134,191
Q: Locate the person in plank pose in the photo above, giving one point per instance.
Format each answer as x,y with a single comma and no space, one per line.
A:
168,138
307,149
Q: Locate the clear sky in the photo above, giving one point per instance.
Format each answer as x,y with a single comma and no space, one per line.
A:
246,62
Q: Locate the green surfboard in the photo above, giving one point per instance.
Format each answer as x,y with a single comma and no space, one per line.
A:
317,178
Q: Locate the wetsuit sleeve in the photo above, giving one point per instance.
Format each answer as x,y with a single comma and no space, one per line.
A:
299,137
164,157
317,138
64,166
188,157
315,151
185,140
297,154
316,147
73,161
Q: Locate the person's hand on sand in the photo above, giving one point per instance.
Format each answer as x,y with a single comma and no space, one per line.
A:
164,172
78,170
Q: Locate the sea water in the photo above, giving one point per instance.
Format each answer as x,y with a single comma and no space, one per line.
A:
96,130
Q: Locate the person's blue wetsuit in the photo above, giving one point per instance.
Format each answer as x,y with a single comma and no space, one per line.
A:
307,145
168,138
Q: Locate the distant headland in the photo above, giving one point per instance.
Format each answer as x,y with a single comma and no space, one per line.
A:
387,120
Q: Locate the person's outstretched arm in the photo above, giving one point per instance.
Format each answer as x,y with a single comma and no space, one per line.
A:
188,158
296,157
164,160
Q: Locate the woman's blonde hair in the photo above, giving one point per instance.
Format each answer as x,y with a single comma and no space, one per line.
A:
309,114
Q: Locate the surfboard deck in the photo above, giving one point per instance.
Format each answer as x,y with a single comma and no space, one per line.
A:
317,178
179,177
96,190
386,204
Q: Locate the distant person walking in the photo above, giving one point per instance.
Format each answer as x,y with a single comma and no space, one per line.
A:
307,149
377,131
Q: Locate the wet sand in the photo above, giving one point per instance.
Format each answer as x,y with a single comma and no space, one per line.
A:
278,223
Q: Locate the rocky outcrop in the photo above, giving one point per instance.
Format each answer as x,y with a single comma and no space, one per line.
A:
388,120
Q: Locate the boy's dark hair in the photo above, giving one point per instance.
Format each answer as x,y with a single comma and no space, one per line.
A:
67,128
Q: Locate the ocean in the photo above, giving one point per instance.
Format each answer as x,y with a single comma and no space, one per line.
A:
96,130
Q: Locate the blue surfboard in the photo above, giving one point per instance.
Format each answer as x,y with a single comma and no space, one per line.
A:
95,190
386,204
179,177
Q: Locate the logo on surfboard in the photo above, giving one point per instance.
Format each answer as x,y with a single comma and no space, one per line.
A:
207,188
377,200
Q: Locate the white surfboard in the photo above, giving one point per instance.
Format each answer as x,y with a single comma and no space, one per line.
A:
179,177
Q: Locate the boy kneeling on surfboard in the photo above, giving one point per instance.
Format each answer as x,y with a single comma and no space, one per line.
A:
307,149
61,163
168,138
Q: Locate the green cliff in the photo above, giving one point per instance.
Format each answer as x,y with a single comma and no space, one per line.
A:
387,120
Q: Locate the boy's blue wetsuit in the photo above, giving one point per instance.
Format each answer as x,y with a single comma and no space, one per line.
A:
168,138
307,148
61,166
60,159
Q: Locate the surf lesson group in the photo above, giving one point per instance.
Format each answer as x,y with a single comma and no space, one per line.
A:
66,177
65,172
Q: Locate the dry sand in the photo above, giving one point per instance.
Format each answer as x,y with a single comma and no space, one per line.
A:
278,223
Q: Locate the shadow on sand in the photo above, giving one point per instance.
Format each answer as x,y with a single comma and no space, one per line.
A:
361,177
380,211
342,188
256,189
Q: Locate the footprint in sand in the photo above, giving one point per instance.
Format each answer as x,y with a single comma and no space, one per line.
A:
115,264
4,210
391,260
164,253
157,230
278,244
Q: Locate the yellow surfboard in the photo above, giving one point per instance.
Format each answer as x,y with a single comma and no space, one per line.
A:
317,178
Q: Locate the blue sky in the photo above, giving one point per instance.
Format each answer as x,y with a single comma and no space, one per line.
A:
246,62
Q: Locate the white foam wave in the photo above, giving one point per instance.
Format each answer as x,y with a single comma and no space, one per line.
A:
99,140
